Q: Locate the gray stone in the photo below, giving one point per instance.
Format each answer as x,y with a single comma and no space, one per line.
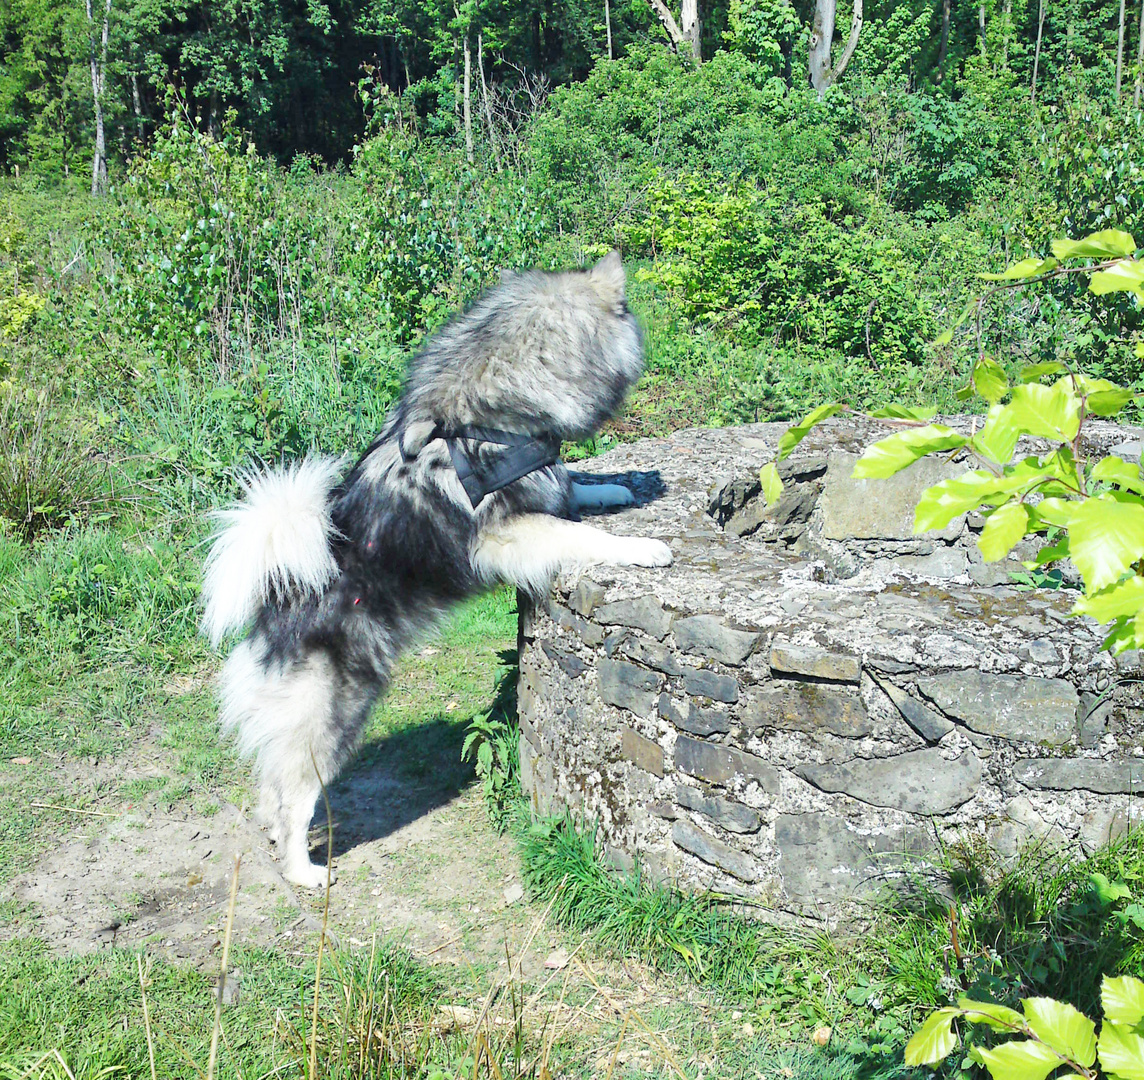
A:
568,662
728,814
1095,715
674,712
641,752
946,562
920,782
704,721
814,663
628,686
714,852
880,509
588,632
995,573
1024,709
1104,824
710,684
649,654
721,764
822,859
1081,774
584,598
705,635
644,613
927,722
808,707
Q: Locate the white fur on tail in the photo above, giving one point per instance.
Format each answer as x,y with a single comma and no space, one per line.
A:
277,538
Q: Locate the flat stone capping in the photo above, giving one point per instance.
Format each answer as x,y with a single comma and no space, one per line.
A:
811,699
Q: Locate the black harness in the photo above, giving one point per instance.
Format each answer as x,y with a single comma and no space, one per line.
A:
483,471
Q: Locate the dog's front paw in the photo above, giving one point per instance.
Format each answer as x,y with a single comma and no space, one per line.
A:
646,552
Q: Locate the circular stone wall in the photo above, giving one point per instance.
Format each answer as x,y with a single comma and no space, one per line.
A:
811,697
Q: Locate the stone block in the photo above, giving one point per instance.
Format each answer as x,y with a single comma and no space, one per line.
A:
714,852
823,860
628,686
649,654
920,782
705,635
926,721
728,814
814,663
722,764
588,632
808,707
1104,824
644,613
700,682
704,722
643,753
568,662
1081,774
880,509
946,562
585,597
1020,708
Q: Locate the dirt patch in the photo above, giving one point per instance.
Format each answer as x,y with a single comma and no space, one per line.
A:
418,860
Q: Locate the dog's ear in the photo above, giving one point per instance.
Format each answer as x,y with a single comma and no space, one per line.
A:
415,436
608,278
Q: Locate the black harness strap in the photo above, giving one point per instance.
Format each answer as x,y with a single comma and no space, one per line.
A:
481,474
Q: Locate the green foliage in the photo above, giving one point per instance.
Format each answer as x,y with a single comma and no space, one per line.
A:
1095,509
1048,1035
492,743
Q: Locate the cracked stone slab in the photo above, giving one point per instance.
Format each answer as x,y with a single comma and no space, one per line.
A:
1022,708
920,782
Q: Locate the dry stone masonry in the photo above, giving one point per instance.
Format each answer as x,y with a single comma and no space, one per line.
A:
812,697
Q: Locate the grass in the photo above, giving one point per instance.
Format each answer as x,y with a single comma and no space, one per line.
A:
1046,927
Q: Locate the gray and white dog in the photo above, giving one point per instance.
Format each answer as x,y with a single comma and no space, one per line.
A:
462,490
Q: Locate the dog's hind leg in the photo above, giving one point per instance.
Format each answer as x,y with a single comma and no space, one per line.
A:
530,550
284,714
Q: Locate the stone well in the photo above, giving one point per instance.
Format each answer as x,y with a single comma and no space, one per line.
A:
811,698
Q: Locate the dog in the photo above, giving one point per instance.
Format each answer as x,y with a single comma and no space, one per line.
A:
462,490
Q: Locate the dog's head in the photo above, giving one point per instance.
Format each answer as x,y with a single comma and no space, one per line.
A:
551,353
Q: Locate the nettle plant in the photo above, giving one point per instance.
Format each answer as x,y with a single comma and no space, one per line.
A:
1048,1035
1089,511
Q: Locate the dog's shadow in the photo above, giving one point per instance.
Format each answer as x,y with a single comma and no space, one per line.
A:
404,775
646,486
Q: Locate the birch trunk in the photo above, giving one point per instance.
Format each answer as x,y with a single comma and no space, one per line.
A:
689,24
608,26
822,74
466,103
1037,52
1120,51
1140,59
485,98
981,27
98,76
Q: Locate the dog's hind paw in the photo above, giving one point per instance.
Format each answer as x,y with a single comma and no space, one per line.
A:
308,875
646,552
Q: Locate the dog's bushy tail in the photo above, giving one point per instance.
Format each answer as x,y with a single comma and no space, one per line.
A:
276,540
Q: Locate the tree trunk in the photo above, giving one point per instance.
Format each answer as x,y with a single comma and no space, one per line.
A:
137,105
981,27
98,76
1006,25
1120,51
1037,52
943,48
663,12
821,35
689,24
1140,59
822,74
485,98
608,26
467,111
